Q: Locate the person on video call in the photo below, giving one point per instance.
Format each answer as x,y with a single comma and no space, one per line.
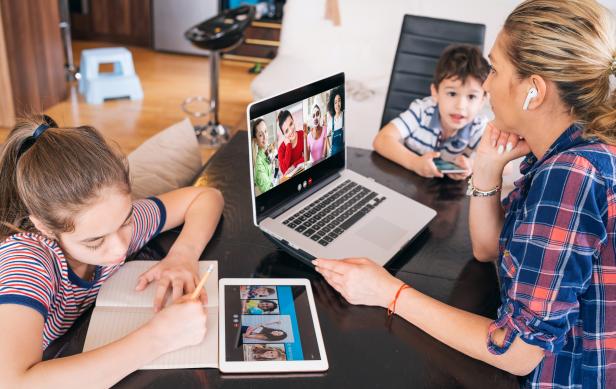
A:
317,135
335,109
291,150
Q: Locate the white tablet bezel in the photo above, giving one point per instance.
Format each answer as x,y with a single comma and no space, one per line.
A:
268,366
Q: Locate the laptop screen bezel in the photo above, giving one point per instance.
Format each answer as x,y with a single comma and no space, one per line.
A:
268,202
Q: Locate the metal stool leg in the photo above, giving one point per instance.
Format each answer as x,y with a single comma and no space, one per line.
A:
212,134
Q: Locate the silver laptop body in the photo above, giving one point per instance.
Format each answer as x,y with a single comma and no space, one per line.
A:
373,221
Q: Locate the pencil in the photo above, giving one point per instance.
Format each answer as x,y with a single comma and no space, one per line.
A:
197,290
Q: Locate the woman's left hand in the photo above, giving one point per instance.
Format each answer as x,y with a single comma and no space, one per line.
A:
179,274
359,280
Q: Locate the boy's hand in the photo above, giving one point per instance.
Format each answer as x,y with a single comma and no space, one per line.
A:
465,163
425,166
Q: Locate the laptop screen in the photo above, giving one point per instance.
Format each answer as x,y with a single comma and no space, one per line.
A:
296,142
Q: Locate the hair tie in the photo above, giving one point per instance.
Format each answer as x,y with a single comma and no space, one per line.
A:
29,141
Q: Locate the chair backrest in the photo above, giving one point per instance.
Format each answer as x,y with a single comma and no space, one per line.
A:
422,40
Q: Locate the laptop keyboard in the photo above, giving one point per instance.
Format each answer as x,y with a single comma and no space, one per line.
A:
328,217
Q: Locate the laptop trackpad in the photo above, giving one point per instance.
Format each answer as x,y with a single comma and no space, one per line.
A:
381,232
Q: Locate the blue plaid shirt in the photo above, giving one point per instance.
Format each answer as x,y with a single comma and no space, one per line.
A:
557,264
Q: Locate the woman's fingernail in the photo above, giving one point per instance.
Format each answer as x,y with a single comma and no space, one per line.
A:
509,146
493,143
500,149
314,262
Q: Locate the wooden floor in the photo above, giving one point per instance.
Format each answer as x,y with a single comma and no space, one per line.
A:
167,79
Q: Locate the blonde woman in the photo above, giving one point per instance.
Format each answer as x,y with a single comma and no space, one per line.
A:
554,236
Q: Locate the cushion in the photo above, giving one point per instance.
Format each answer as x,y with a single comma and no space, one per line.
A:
169,160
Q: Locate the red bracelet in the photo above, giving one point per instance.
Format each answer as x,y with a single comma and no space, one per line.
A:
391,309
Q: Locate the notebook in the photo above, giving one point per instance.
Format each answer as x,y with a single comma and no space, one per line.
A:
120,310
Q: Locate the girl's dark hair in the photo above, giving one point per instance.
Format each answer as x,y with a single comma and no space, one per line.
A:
254,125
282,116
268,333
274,305
62,171
258,352
330,102
461,62
270,290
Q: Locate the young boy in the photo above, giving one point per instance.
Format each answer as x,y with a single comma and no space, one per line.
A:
444,125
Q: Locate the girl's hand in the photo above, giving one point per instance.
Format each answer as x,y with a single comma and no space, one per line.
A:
465,163
179,274
425,166
359,280
179,325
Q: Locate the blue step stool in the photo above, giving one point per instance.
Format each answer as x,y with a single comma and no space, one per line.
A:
122,82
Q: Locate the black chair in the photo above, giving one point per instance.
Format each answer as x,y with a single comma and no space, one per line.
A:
422,40
223,32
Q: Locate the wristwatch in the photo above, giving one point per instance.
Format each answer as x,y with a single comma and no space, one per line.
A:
474,192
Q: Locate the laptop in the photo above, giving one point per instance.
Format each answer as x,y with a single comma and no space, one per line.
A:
303,196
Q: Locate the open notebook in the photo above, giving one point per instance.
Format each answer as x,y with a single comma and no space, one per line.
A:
120,310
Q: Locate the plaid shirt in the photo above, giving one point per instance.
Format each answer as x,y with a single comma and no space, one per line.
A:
557,264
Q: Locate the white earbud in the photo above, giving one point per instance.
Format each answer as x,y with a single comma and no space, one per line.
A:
532,93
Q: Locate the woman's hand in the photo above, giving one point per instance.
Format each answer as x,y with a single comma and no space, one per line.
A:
495,150
501,147
180,274
425,166
359,280
179,325
466,164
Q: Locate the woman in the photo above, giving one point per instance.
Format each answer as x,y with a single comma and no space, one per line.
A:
291,150
259,307
317,144
267,353
335,107
264,175
264,333
554,236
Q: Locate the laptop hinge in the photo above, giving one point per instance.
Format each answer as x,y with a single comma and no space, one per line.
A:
274,213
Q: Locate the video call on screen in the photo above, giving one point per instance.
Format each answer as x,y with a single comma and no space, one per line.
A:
294,138
269,323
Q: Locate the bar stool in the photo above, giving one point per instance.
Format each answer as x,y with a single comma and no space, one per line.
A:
221,33
122,82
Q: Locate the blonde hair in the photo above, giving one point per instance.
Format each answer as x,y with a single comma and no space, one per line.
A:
61,173
573,44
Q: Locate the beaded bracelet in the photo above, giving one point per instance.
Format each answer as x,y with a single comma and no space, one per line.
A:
391,309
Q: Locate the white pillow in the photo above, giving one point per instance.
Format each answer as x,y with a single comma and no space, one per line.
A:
169,160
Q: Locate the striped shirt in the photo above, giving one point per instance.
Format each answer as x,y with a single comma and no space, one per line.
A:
557,264
34,272
420,127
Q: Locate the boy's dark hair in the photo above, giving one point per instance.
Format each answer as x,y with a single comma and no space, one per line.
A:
461,61
282,116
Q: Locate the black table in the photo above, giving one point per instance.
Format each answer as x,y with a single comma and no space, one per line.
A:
365,350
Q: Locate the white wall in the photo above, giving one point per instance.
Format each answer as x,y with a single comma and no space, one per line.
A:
363,46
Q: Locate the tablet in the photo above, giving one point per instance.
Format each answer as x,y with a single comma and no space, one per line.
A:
447,167
268,325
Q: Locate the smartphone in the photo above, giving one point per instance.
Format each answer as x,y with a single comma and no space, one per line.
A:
447,167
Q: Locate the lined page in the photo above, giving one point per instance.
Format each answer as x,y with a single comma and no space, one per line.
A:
119,289
109,324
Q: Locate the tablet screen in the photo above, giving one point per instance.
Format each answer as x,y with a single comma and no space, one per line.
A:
269,323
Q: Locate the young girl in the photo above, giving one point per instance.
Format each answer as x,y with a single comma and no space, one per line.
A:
68,224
